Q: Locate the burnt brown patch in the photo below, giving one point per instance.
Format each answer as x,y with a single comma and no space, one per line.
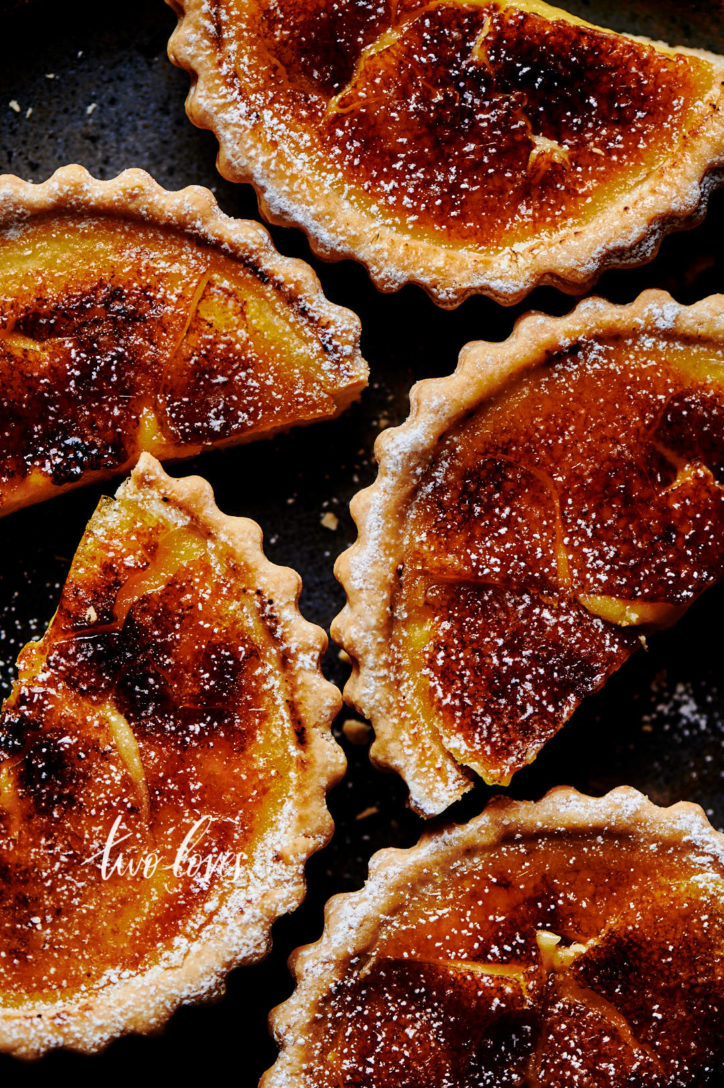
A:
409,1023
506,669
16,729
98,361
88,663
319,44
51,773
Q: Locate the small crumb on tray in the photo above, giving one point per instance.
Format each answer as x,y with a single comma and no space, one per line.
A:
356,732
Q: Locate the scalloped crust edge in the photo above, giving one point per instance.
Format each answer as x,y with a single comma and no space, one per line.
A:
240,932
366,570
134,195
627,233
352,919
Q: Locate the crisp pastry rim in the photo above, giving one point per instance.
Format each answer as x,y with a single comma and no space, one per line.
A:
144,1002
135,196
627,232
352,919
368,568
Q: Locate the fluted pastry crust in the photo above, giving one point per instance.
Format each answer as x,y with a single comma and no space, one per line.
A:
132,319
556,498
464,145
177,683
567,941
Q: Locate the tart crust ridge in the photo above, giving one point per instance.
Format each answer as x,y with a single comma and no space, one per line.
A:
368,569
627,232
135,196
352,920
239,929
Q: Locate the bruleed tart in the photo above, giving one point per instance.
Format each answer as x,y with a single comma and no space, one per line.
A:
560,944
543,509
164,758
133,319
465,145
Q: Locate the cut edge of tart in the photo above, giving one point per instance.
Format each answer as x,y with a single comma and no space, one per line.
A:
627,231
353,920
192,217
370,568
238,928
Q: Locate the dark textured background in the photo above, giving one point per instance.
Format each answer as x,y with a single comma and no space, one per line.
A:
659,723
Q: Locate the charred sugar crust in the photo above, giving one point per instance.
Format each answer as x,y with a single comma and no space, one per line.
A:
352,920
134,196
240,932
628,233
369,569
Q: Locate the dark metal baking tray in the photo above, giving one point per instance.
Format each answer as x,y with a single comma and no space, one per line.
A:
93,85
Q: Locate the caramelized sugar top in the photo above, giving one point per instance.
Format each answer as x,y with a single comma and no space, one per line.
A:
117,337
546,962
157,700
581,507
480,122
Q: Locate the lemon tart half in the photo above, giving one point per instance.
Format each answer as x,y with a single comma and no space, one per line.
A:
464,145
164,758
569,942
136,319
543,509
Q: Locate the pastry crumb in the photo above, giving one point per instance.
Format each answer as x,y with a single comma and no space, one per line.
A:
366,812
91,615
344,656
89,109
329,520
546,153
356,732
14,105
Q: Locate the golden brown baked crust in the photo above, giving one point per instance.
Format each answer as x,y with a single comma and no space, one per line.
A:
464,145
555,498
179,691
552,944
135,319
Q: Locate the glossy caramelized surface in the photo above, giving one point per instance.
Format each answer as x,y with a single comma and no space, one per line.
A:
548,961
117,336
158,705
554,526
476,123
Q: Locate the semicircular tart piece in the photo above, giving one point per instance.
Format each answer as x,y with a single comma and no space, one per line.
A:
136,319
569,942
557,498
164,758
464,145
